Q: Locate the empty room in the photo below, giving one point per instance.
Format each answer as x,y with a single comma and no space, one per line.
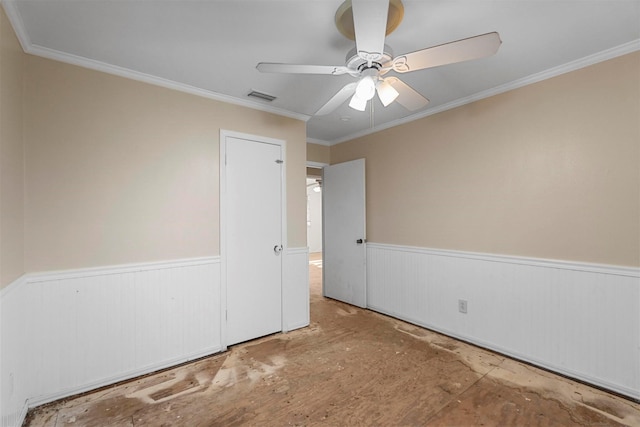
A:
472,256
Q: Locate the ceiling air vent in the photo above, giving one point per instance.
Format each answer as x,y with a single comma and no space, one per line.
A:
261,95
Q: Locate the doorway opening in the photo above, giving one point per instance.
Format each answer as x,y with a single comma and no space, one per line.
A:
344,249
314,229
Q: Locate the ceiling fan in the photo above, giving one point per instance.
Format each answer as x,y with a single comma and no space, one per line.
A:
368,22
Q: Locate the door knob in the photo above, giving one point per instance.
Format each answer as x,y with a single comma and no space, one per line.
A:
360,241
277,249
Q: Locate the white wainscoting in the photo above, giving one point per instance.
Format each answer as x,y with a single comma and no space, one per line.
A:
581,320
14,348
67,332
295,289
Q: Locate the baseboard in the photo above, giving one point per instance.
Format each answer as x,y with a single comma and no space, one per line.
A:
42,400
518,356
299,325
22,415
15,419
577,319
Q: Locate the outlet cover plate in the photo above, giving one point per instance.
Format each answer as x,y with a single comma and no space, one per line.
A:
462,306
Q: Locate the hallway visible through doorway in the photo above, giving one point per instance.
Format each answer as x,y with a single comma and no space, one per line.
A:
315,273
314,229
314,214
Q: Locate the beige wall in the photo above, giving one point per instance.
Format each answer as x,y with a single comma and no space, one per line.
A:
317,153
12,61
551,170
120,171
314,172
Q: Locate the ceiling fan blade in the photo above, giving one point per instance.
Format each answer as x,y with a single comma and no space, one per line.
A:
370,25
448,53
408,98
338,99
272,67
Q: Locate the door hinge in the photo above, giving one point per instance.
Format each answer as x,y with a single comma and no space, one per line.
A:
279,161
226,315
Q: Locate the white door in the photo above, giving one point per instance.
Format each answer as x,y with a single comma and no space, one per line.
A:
252,236
344,245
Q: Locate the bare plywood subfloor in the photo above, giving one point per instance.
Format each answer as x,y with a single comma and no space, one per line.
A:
349,367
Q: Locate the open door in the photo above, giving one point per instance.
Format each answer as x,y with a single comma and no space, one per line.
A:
344,241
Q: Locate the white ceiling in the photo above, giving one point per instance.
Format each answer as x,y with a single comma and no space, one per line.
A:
212,47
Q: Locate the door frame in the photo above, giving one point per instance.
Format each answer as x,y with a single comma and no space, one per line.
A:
224,200
321,166
317,165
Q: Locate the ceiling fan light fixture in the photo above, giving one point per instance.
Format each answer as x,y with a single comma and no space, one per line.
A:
371,59
366,88
358,103
386,92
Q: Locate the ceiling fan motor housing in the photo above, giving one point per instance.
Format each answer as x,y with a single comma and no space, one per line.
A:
355,62
371,59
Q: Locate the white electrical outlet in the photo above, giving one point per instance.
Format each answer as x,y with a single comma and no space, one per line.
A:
462,306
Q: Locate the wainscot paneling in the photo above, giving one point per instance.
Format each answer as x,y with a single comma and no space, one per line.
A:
295,289
15,375
67,332
580,320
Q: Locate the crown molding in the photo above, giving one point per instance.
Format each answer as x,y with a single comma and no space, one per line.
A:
605,55
316,165
18,26
17,23
15,19
157,81
319,141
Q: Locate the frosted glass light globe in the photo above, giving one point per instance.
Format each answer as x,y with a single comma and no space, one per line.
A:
366,88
